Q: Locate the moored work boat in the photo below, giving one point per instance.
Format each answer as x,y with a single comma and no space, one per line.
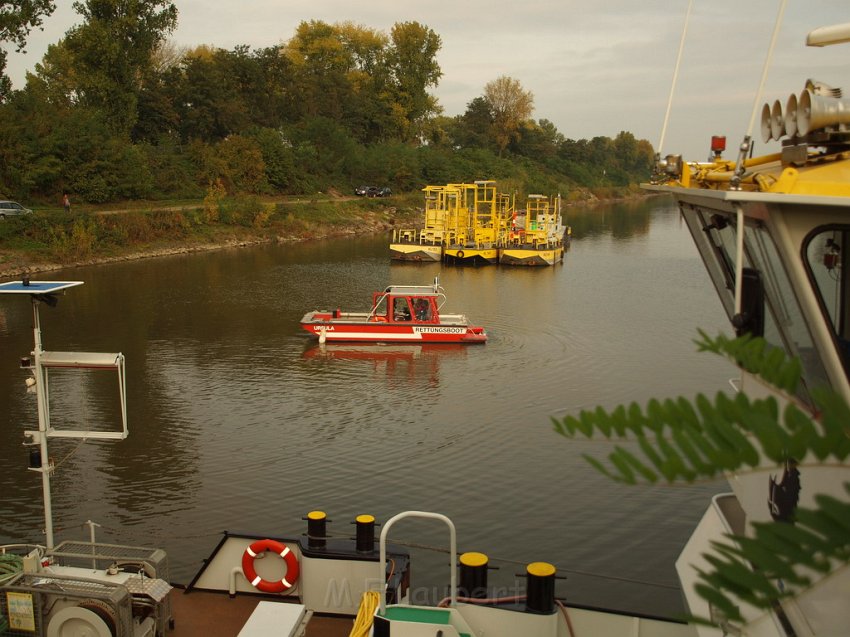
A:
477,227
399,314
537,234
405,246
426,244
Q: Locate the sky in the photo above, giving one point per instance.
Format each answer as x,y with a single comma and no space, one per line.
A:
594,67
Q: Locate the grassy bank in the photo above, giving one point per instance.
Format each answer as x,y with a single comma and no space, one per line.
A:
49,240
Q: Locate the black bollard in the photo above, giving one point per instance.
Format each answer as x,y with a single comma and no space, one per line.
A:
540,587
365,533
316,529
473,575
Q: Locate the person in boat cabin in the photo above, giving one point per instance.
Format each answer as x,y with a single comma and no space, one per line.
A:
423,310
401,311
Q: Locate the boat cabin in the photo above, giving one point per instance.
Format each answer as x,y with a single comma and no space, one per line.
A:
407,304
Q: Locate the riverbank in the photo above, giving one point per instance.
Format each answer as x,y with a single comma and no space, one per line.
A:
53,241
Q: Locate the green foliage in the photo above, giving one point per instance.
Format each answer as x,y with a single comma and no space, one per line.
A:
749,569
510,106
16,21
109,115
75,242
687,440
112,49
212,202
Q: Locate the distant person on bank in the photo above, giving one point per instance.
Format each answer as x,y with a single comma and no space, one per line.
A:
66,202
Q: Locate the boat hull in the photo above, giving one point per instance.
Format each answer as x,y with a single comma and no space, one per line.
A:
360,328
471,256
415,252
530,256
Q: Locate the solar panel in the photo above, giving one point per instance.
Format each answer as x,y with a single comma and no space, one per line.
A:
36,287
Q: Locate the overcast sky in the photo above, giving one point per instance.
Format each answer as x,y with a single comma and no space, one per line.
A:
595,67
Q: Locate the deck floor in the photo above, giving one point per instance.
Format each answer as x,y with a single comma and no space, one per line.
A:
201,614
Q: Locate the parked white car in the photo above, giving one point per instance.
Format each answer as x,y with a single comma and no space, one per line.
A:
12,209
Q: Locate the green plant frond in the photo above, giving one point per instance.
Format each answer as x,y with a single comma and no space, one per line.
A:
733,577
831,520
619,421
586,423
835,422
674,465
755,554
757,357
711,453
602,422
657,416
685,444
706,343
688,415
762,558
600,467
734,415
561,426
801,432
635,420
801,545
625,474
569,426
629,465
650,452
683,439
771,436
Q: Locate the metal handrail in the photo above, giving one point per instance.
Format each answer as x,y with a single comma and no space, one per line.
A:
452,546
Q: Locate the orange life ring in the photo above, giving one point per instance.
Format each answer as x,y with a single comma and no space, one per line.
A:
292,569
460,254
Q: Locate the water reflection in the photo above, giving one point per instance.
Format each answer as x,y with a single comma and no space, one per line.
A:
622,220
401,365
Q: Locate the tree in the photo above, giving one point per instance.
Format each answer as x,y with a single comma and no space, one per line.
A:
474,128
510,106
321,65
345,72
688,440
538,140
17,19
207,95
114,49
412,61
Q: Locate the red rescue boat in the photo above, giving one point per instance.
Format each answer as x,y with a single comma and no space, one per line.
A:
399,314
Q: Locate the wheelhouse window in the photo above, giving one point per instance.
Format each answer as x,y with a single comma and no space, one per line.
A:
826,261
401,309
715,235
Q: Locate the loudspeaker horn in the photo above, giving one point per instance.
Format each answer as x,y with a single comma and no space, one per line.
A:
777,123
766,132
815,112
791,115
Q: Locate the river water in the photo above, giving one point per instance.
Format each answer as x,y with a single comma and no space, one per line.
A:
239,422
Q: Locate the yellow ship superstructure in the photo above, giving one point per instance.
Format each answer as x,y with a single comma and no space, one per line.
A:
426,244
478,242
537,234
475,224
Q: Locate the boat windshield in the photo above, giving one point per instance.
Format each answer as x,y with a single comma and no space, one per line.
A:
784,325
826,260
401,309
